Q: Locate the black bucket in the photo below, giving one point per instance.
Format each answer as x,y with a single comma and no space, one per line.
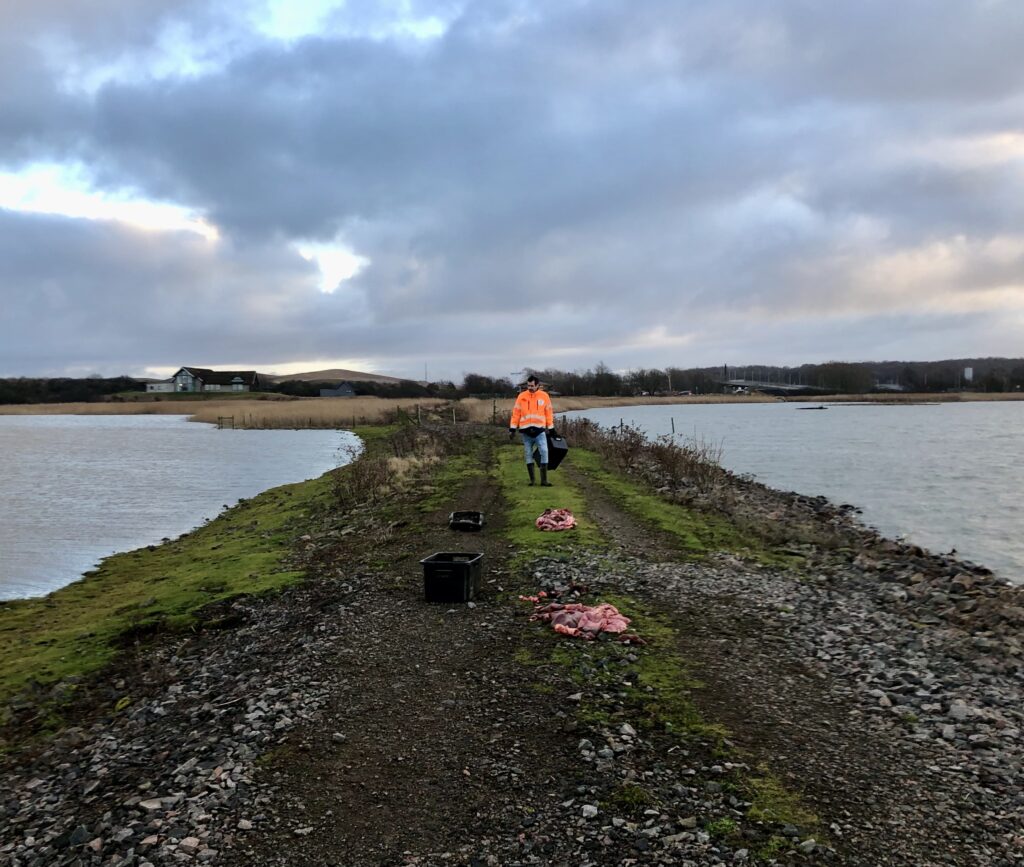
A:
467,522
451,576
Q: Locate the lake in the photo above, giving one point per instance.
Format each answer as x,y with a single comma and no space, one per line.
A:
946,475
74,489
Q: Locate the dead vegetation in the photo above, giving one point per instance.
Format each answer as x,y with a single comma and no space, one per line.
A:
387,465
269,411
281,412
680,464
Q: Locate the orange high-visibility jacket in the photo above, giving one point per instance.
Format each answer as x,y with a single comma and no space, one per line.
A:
532,410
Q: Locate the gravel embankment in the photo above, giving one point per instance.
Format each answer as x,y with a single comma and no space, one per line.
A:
345,722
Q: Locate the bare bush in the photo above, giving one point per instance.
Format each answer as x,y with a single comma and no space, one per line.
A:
364,479
385,467
695,462
692,464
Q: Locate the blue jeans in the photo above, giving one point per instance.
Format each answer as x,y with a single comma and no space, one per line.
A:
541,443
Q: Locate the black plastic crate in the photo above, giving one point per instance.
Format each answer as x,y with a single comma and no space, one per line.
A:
558,448
451,576
470,522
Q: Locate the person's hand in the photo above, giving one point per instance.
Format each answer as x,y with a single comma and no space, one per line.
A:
511,432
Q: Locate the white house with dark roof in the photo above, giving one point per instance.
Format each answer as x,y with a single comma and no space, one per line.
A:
203,379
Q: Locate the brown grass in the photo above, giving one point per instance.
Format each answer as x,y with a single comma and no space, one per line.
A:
326,412
314,412
322,412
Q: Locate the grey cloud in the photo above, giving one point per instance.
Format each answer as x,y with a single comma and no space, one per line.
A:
634,165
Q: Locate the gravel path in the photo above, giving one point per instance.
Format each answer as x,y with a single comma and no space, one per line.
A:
345,722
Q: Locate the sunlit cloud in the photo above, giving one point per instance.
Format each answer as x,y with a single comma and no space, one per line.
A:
661,337
365,365
176,52
396,181
969,151
336,263
64,190
289,21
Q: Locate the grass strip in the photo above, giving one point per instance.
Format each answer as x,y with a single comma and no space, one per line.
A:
660,698
696,533
526,503
78,629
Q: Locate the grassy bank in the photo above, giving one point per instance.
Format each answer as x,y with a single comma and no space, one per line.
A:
268,411
662,693
76,630
525,503
255,411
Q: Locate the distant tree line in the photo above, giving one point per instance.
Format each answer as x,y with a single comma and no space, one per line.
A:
989,375
64,389
402,388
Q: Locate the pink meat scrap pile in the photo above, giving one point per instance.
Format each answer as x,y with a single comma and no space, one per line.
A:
556,519
586,621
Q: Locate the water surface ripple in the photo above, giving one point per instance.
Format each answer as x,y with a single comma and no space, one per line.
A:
946,475
74,489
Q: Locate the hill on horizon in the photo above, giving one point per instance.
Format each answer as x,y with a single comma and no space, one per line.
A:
338,374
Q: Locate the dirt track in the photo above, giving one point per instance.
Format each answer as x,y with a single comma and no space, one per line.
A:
347,722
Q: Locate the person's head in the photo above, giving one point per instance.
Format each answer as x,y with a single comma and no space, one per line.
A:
532,382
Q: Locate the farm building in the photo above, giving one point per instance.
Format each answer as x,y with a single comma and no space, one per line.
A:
202,379
344,389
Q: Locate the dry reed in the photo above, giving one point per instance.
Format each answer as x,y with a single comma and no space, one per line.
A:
326,412
322,412
314,412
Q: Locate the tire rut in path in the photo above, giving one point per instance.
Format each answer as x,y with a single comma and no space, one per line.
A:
436,735
783,716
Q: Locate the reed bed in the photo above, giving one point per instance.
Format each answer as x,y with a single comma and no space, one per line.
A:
331,412
500,410
313,412
324,412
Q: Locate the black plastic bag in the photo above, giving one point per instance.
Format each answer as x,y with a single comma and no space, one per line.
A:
558,448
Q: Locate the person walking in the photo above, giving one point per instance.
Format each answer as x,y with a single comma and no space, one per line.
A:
532,417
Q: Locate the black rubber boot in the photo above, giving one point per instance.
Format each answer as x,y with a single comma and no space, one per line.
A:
529,469
544,483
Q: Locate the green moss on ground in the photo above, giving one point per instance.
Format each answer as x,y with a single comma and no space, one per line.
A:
630,799
374,433
525,504
78,629
721,828
696,533
662,691
664,684
773,802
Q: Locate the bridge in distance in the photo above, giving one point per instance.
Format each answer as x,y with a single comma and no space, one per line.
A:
779,388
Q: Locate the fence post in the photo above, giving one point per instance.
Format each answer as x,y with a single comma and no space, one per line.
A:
673,426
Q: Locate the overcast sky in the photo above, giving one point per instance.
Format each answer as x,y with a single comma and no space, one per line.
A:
471,186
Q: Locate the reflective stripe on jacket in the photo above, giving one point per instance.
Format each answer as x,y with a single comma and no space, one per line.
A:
532,410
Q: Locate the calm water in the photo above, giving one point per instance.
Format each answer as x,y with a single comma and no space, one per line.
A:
944,475
74,489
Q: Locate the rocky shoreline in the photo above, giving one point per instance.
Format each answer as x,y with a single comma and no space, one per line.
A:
879,681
